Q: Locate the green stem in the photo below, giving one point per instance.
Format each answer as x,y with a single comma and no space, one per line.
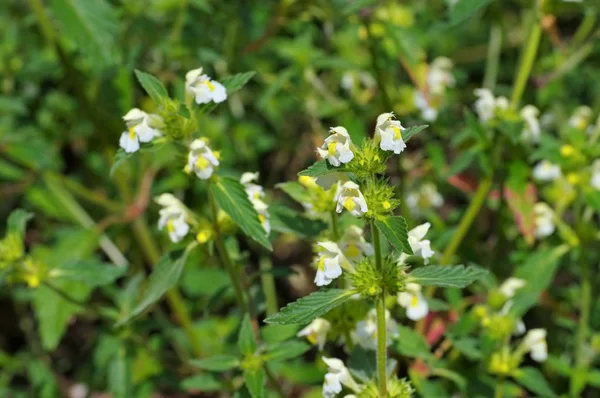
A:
584,318
334,226
499,390
493,57
268,285
530,51
585,27
381,329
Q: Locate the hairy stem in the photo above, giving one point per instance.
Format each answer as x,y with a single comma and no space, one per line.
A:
380,308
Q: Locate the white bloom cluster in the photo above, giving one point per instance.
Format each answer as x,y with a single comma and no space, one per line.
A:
487,106
439,78
336,148
366,330
535,343
337,376
543,220
201,159
546,171
141,127
419,245
173,216
255,193
531,130
203,88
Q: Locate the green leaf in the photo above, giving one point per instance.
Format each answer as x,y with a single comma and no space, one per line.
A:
152,86
231,197
465,9
286,220
255,382
295,190
91,25
286,350
17,220
468,346
446,276
412,344
246,340
320,168
120,158
164,276
533,379
218,363
91,272
395,230
310,307
205,382
592,199
410,131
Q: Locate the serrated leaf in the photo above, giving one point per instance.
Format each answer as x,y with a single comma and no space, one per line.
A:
164,276
153,87
91,25
410,131
231,197
91,272
17,221
286,350
446,276
320,168
246,340
254,379
395,230
287,220
218,363
412,344
532,379
306,309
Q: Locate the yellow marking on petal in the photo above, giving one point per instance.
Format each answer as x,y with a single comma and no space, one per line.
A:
397,132
567,151
387,205
170,226
573,178
202,163
331,148
132,132
261,218
209,84
349,204
217,154
312,338
321,264
353,250
414,301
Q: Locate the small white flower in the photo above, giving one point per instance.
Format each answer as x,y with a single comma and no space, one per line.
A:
414,302
427,196
510,286
203,88
531,130
337,376
439,76
336,148
390,131
201,159
173,217
428,113
353,244
535,343
595,179
316,332
543,219
420,247
255,193
330,261
366,330
546,171
348,196
141,127
485,104
581,117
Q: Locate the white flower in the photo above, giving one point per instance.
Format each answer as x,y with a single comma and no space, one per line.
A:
543,219
172,216
535,343
390,132
546,171
427,196
510,286
487,106
201,159
595,179
366,330
336,148
531,130
203,88
316,332
263,214
420,247
581,117
348,196
414,302
330,261
353,244
428,112
337,376
439,76
255,192
141,127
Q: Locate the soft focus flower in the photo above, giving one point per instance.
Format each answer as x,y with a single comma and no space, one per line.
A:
390,132
535,343
428,112
348,196
330,261
412,299
353,244
581,117
595,179
337,376
336,148
255,193
426,196
201,159
531,130
487,106
439,76
420,247
546,171
141,127
510,286
172,216
543,219
203,88
316,332
366,330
